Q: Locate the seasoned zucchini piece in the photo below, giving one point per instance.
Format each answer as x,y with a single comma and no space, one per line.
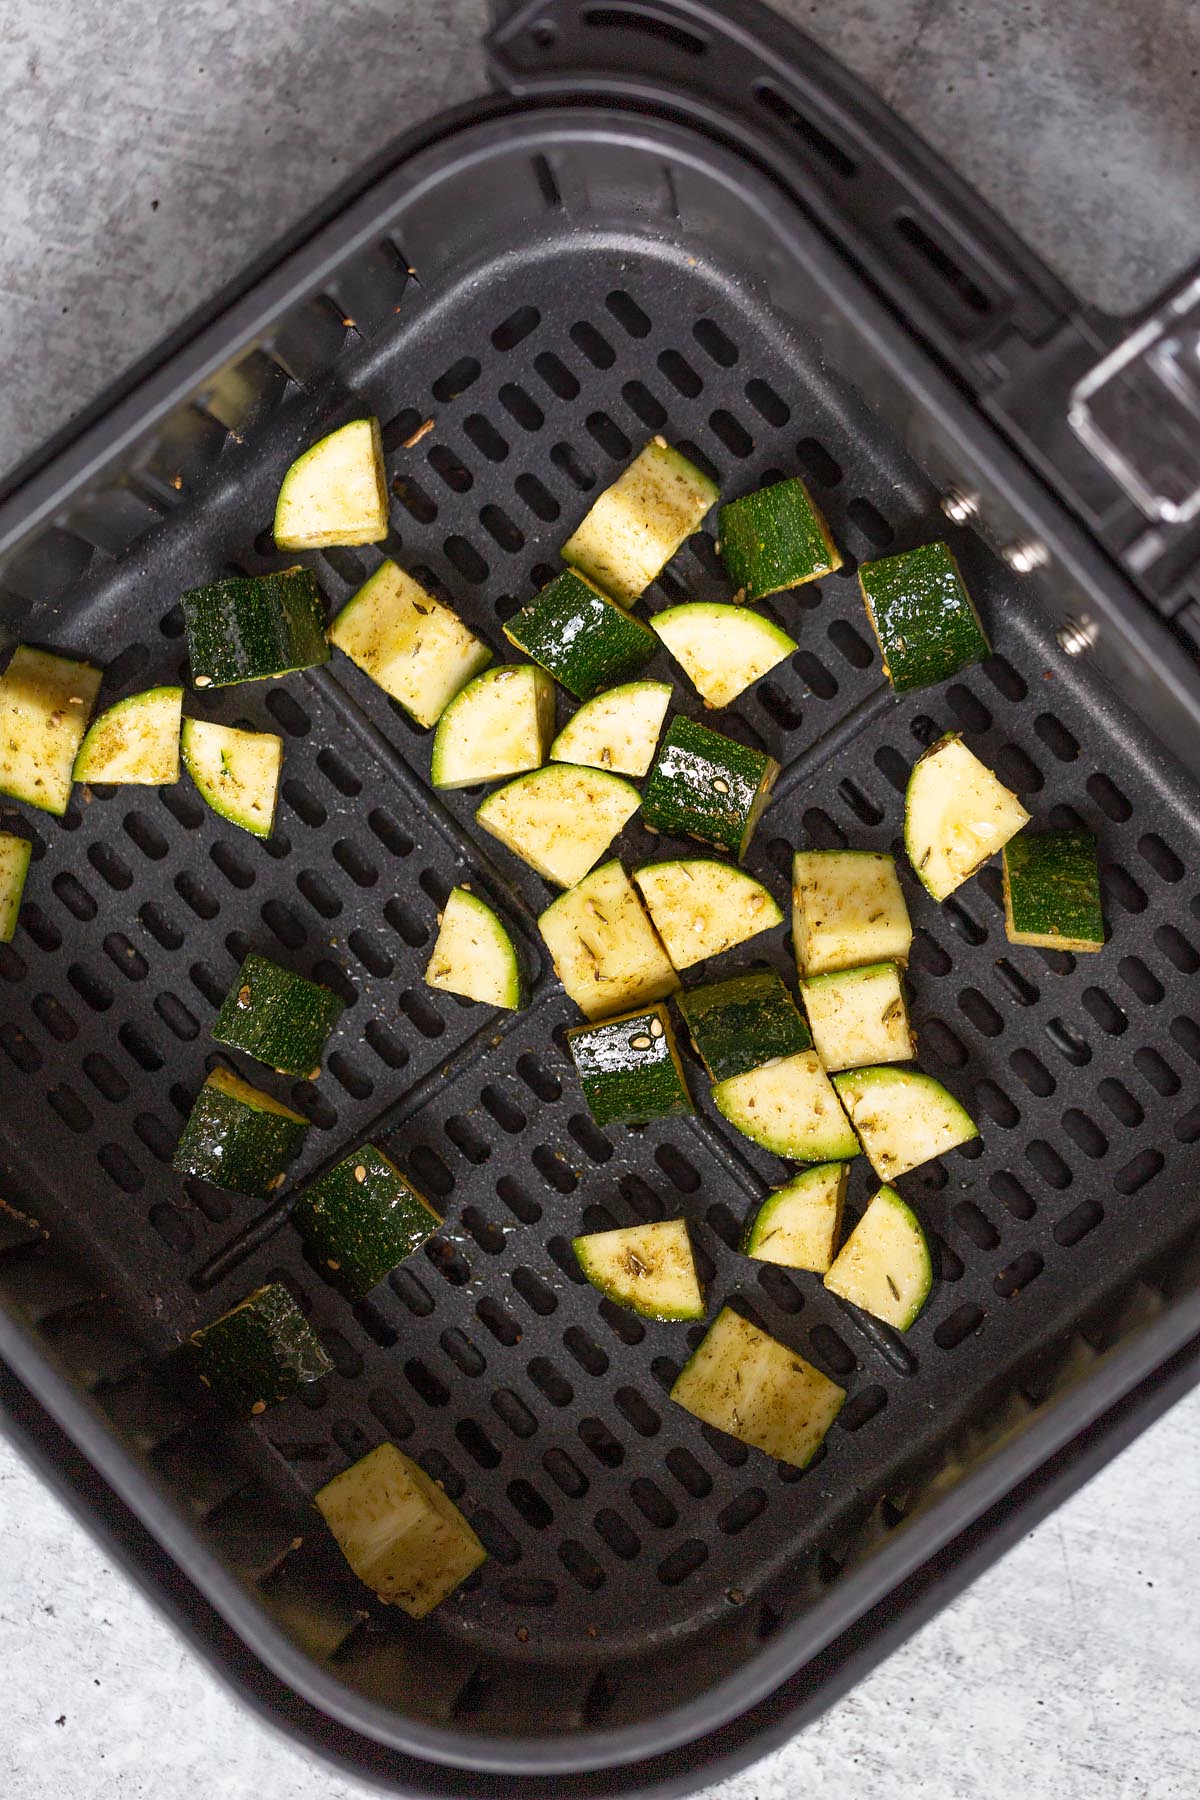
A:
797,1225
749,1384
278,1017
903,1117
135,742
923,618
259,1352
788,1106
15,853
560,820
336,492
884,1265
237,772
629,1068
775,539
404,1538
648,1268
636,526
859,1016
1052,891
581,636
413,647
362,1218
45,704
847,908
238,1138
743,1022
606,952
475,955
707,786
722,650
956,815
254,627
700,907
617,730
499,725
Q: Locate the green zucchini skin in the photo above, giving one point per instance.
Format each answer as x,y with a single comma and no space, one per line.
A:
707,786
585,640
629,1068
362,1218
234,1145
252,627
261,1351
278,1017
924,620
1052,890
775,539
738,1024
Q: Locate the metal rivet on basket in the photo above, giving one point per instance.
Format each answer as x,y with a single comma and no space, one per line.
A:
1075,635
1023,558
960,507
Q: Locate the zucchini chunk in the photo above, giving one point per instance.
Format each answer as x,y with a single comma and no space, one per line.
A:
903,1117
847,908
797,1225
260,1351
775,539
403,1537
707,786
923,618
15,853
254,627
749,1384
956,815
362,1218
743,1022
413,647
278,1017
859,1016
238,1138
1052,891
884,1265
606,952
45,704
722,650
237,772
700,908
648,1268
560,820
498,725
475,955
134,742
580,636
336,492
617,730
636,526
629,1068
788,1106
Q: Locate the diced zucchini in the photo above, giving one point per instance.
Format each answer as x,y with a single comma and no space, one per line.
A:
797,1225
237,772
775,539
498,725
629,1068
606,952
1052,891
743,1022
134,742
583,638
903,1117
788,1106
708,786
560,820
362,1218
636,526
259,1352
45,704
956,815
884,1266
278,1017
722,650
749,1384
648,1268
847,908
475,955
413,647
701,908
254,627
238,1138
617,730
15,853
859,1016
404,1538
923,618
336,492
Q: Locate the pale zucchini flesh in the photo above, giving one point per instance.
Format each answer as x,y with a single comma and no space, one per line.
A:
848,908
605,950
135,742
413,647
560,820
788,1106
617,730
45,704
636,526
474,954
722,649
497,726
15,853
859,1016
236,772
648,1268
903,1117
701,907
747,1383
884,1266
956,815
336,492
797,1225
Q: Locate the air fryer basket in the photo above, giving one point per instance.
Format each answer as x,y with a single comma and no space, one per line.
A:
549,285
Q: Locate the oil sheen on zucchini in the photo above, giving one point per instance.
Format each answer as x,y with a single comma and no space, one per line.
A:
775,539
743,1022
278,1017
708,786
259,1352
584,639
629,1068
923,618
362,1218
238,1137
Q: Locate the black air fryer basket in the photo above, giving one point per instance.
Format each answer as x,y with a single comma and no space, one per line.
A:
670,218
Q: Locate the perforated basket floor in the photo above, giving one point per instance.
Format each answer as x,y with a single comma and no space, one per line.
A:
619,1528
